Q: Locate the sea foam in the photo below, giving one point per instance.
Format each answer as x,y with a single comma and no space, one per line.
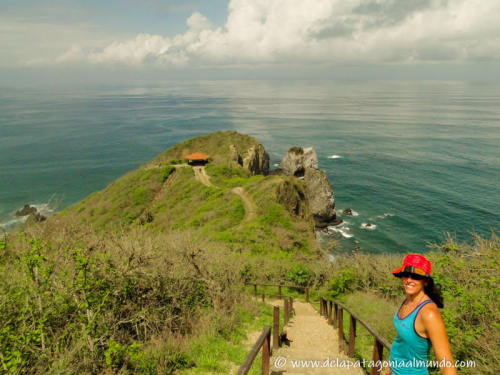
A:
342,229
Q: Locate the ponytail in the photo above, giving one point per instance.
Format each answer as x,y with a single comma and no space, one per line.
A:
434,293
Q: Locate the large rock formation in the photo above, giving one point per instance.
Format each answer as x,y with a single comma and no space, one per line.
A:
27,210
297,160
294,197
235,158
301,162
321,200
257,160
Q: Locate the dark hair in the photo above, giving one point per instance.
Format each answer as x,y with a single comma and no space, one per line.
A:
434,293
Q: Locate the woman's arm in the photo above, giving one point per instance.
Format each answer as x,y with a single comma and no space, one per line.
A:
436,331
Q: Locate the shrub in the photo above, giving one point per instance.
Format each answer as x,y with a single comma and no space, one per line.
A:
140,196
300,275
166,172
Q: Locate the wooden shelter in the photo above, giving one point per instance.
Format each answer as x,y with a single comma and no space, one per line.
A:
197,158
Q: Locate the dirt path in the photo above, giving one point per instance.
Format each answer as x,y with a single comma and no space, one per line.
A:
251,210
312,341
200,175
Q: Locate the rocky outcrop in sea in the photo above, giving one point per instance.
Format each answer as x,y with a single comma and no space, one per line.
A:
301,162
297,160
26,210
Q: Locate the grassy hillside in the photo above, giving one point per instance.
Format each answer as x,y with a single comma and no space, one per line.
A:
147,276
216,145
137,199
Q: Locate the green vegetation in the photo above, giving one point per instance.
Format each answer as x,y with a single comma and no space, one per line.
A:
122,202
216,145
147,276
131,303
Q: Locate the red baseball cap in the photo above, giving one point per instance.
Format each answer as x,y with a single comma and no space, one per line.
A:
415,263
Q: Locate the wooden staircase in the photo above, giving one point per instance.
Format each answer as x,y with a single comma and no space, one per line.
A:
311,346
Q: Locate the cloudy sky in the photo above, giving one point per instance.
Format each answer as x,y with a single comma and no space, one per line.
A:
238,35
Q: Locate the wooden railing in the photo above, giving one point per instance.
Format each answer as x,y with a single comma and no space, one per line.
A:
279,295
264,342
338,323
331,310
264,339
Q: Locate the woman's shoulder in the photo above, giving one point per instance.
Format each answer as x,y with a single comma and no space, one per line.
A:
430,312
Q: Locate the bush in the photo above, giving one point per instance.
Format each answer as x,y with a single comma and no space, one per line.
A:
166,172
301,275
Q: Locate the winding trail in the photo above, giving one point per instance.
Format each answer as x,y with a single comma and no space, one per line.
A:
251,210
201,175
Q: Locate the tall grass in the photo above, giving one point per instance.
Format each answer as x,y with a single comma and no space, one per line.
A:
75,300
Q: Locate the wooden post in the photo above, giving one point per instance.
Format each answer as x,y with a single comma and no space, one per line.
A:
352,337
291,305
335,316
325,308
321,306
377,356
286,313
266,351
341,330
330,312
276,327
263,297
279,293
307,295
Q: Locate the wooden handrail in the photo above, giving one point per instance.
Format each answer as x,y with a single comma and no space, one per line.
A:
338,323
264,342
285,286
279,288
327,308
271,295
261,341
374,333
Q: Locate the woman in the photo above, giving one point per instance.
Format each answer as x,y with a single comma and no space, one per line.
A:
419,323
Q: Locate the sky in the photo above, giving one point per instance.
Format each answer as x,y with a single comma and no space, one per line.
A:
423,39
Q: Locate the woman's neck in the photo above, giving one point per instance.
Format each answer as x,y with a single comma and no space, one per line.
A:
414,297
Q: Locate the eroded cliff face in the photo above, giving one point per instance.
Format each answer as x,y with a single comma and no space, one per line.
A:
257,160
297,160
235,158
293,197
301,162
321,199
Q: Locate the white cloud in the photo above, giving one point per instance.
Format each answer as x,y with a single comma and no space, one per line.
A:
263,32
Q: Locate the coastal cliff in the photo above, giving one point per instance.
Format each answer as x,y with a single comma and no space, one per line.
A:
148,275
237,201
303,163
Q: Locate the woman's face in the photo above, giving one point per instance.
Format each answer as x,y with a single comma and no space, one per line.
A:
414,287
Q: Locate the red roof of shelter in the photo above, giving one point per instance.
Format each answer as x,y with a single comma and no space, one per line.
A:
197,156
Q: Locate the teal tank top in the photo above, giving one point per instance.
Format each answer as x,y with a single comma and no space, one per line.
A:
410,351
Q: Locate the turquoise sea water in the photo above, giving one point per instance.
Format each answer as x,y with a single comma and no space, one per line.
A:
415,159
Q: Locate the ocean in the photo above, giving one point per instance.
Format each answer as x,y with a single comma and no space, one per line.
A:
415,160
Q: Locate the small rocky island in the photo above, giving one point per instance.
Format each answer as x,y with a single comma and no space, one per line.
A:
303,163
32,213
